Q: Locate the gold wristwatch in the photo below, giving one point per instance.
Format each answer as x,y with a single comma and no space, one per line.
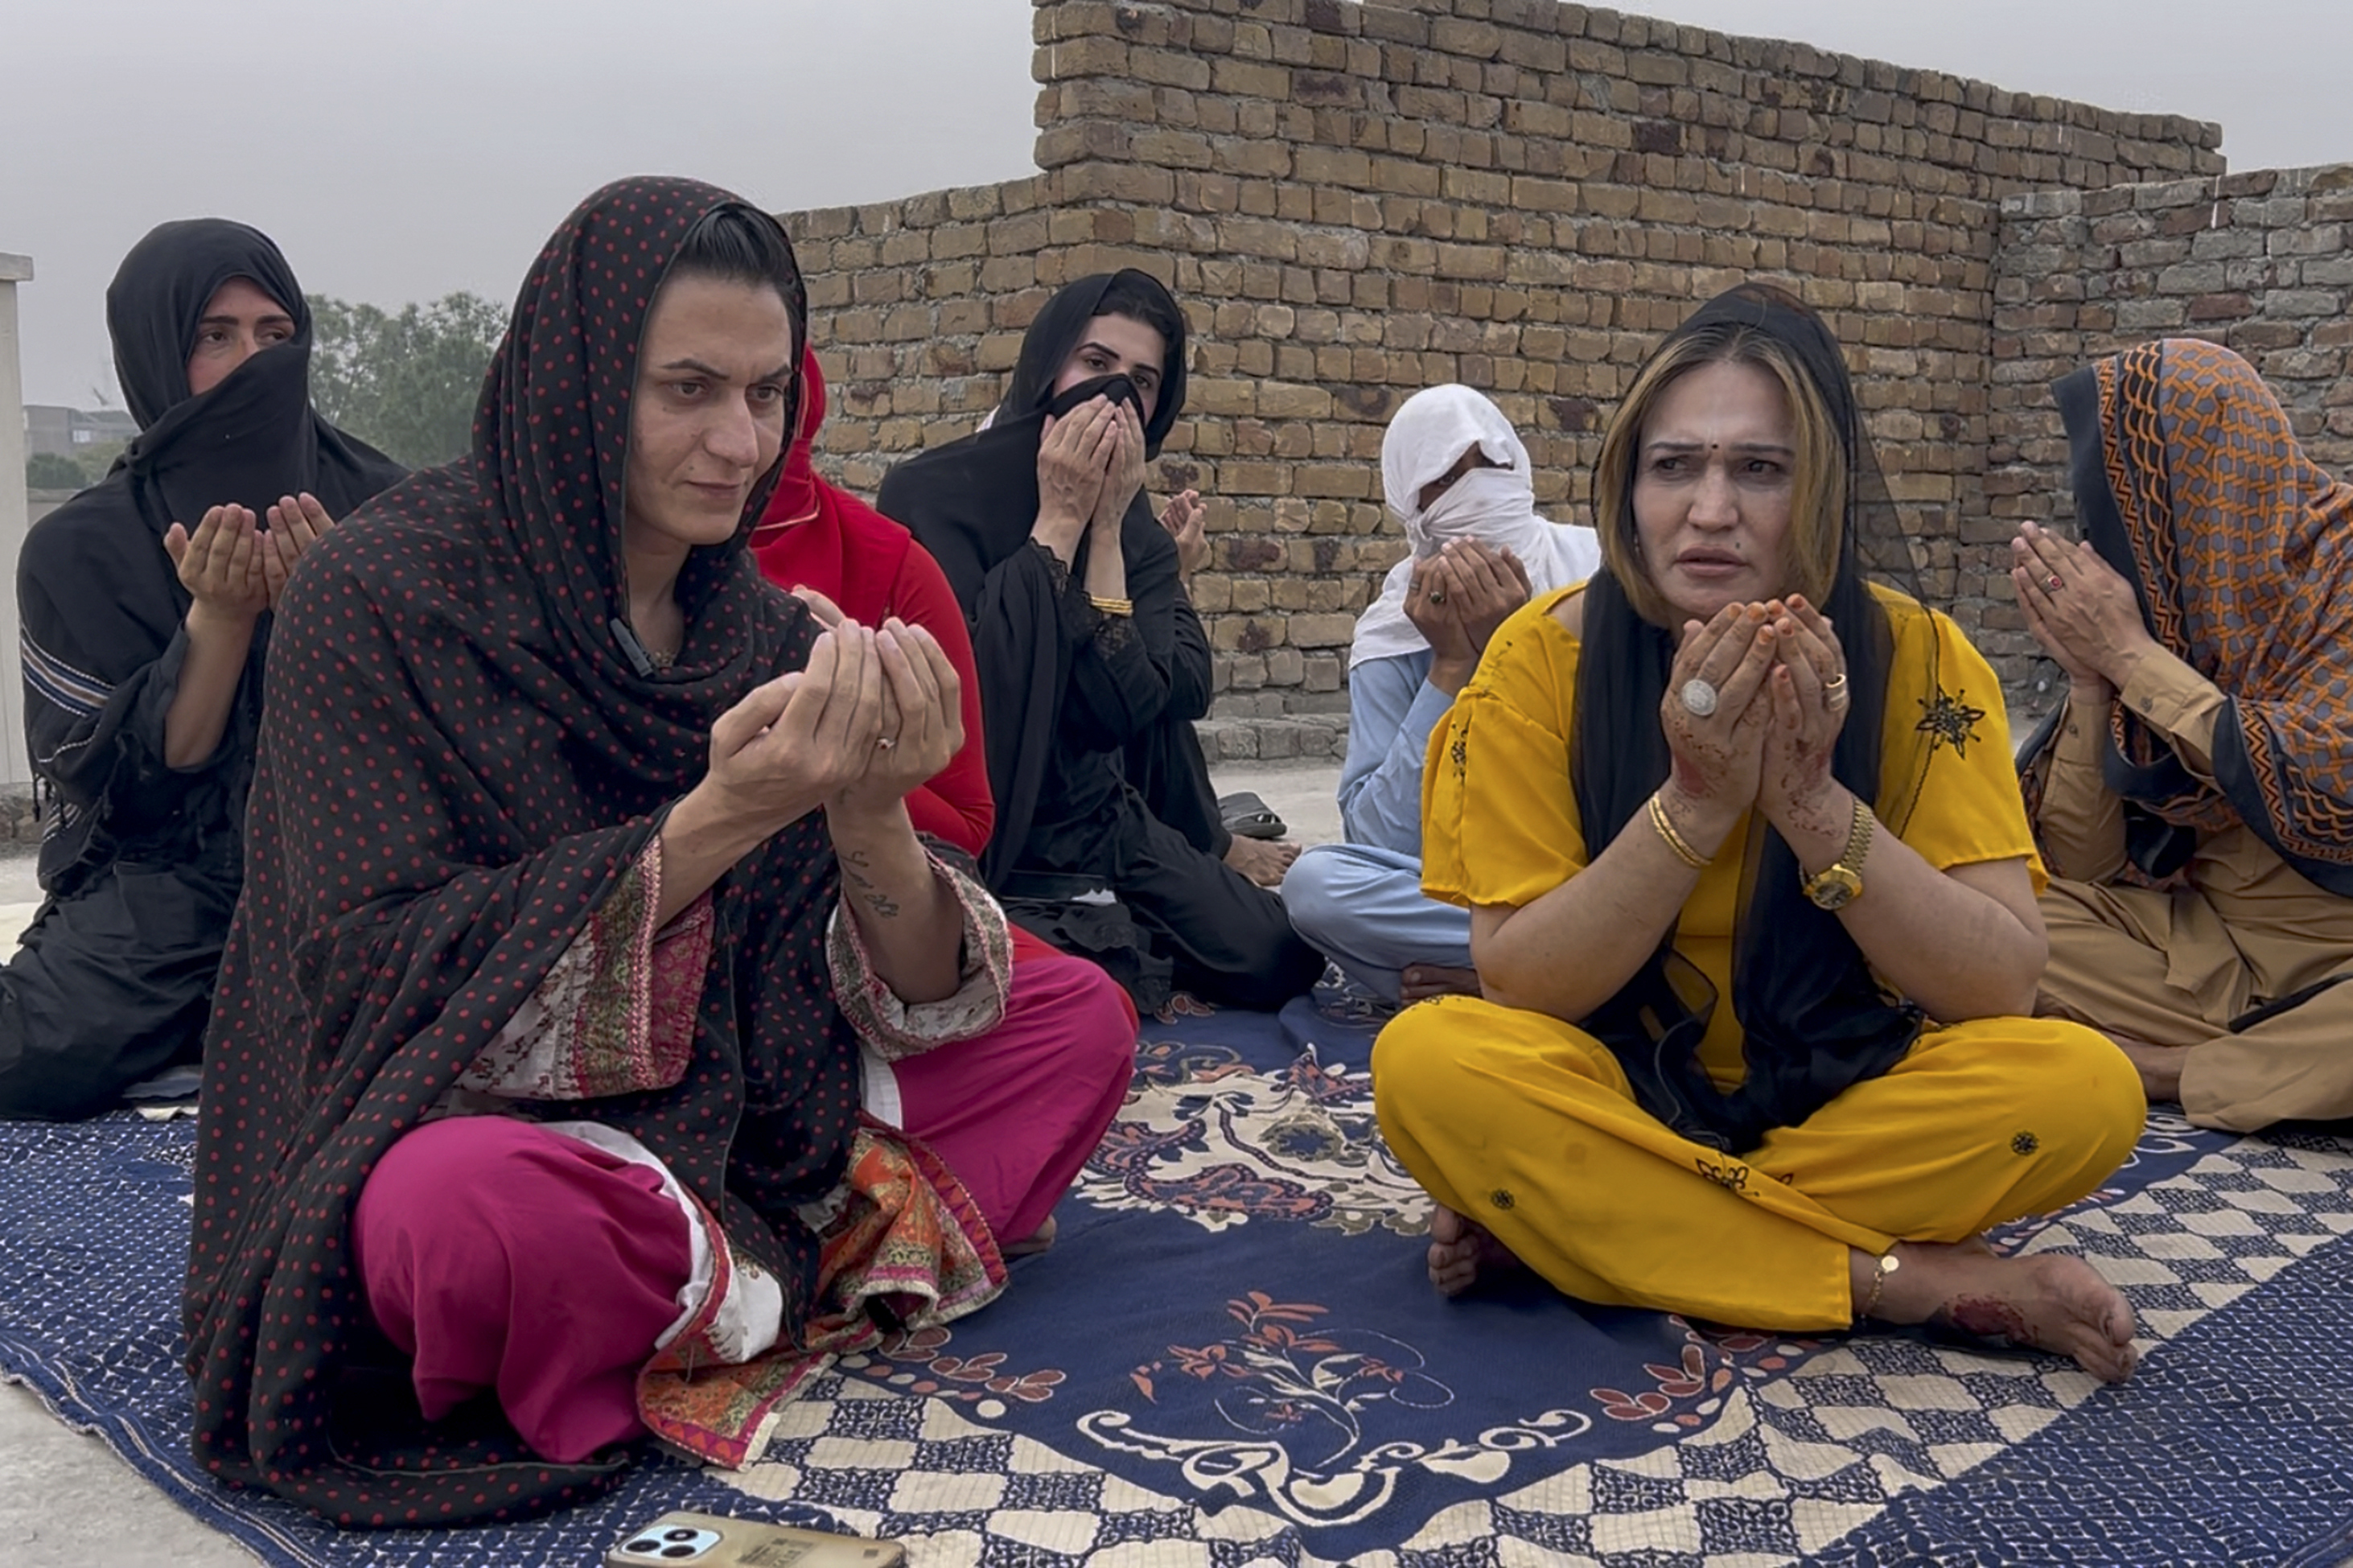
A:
1840,884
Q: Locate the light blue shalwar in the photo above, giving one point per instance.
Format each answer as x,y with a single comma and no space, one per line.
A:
1360,903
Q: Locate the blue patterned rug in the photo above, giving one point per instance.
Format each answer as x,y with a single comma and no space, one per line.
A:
1231,1358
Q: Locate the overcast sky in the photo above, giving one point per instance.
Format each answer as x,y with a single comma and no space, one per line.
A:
401,149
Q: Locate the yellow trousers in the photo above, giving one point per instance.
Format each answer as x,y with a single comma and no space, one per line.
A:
1527,1125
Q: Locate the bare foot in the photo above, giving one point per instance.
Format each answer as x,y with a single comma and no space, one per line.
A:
1263,861
2160,1065
1460,1251
1420,983
2050,1301
1036,1241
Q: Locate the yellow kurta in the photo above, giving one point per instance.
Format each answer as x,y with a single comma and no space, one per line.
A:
1526,1123
2175,966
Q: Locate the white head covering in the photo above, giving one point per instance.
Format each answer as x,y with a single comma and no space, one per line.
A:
1496,506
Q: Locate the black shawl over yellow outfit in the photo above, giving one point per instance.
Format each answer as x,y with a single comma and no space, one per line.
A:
1753,1107
141,861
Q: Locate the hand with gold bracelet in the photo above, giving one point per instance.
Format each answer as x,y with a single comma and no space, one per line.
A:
1829,829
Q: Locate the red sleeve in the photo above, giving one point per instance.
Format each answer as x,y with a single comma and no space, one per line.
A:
956,806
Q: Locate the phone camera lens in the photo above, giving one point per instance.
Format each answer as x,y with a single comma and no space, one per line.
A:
644,1546
679,1535
678,1550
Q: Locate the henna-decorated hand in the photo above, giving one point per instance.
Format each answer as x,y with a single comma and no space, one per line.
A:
1810,698
1719,756
1073,457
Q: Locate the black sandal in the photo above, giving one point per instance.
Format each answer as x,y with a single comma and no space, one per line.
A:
1247,816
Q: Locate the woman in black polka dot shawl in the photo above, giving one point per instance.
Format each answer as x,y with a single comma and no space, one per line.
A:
466,758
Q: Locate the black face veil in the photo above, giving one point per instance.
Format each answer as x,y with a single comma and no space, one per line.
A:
973,501
253,438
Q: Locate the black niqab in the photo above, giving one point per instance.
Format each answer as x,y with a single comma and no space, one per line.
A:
253,438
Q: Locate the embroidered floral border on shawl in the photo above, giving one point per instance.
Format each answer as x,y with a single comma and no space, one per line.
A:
616,1013
909,1250
897,1029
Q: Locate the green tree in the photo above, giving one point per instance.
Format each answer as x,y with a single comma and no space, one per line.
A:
96,460
48,470
406,383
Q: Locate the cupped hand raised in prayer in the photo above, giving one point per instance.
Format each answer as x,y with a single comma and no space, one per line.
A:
800,741
222,565
1186,519
1123,475
1073,458
296,522
1456,599
827,613
2079,607
1719,756
1809,698
923,720
1432,609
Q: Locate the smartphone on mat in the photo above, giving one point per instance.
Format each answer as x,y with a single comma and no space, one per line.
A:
708,1540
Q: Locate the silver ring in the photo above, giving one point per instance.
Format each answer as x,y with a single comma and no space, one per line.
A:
2054,582
885,742
1836,697
1835,686
1437,596
1698,697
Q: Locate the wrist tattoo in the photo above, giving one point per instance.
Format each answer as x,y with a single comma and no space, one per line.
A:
853,866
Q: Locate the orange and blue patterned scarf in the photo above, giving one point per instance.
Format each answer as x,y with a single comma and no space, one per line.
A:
2188,480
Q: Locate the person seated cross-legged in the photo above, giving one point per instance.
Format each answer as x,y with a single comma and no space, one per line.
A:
2192,796
147,603
1752,902
1457,476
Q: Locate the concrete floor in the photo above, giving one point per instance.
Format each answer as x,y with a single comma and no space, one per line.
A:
17,882
66,1501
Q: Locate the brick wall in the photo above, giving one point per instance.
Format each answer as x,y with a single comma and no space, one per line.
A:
1355,201
2260,262
917,308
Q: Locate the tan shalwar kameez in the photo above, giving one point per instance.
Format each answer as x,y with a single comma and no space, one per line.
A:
2175,967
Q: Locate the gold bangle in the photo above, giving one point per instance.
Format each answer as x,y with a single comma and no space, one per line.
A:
1675,841
1888,1264
1112,606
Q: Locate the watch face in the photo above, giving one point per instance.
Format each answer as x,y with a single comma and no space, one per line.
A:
1834,889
